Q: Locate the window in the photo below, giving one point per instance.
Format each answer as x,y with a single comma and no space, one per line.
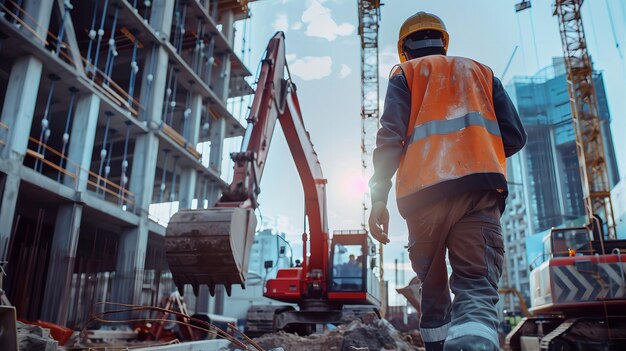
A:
347,268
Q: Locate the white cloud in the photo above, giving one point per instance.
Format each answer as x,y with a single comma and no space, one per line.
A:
281,23
290,57
345,71
320,23
296,25
387,58
311,67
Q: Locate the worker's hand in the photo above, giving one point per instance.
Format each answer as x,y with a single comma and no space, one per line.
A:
379,222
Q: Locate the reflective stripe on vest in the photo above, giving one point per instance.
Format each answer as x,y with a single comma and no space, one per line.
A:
453,131
451,125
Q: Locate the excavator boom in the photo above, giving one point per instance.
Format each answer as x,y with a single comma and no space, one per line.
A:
212,246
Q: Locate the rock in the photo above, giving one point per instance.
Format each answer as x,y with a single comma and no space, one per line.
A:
35,338
370,318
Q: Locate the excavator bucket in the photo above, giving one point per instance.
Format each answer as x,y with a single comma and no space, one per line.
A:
210,246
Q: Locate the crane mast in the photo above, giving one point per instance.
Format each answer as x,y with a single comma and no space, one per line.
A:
585,116
369,17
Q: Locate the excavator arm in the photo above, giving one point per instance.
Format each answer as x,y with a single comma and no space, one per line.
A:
212,246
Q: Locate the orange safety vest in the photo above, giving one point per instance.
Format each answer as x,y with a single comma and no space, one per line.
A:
453,131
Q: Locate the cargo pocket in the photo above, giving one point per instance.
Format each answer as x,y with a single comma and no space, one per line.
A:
494,253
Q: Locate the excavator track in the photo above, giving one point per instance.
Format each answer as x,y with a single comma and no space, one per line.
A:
210,246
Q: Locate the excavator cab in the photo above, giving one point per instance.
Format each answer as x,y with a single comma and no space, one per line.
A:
352,262
565,242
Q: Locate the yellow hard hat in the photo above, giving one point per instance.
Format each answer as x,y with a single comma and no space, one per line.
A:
418,22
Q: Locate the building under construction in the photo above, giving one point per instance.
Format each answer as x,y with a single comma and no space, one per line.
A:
103,105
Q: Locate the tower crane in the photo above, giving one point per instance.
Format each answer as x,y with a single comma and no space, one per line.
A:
585,116
369,18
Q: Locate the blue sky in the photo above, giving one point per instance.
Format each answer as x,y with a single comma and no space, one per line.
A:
323,51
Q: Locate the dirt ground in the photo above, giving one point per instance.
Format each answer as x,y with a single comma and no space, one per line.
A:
374,336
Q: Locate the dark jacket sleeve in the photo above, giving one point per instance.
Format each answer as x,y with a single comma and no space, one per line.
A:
390,137
511,128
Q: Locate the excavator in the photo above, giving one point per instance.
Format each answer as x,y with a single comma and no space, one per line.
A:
578,294
212,246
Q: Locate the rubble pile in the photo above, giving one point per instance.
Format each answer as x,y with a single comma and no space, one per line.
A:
35,338
374,336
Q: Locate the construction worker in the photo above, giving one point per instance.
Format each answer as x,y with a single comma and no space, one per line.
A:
447,127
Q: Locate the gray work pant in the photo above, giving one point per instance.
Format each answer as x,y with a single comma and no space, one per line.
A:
468,226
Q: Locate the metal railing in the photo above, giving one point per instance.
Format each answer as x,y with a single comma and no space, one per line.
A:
180,140
4,129
94,182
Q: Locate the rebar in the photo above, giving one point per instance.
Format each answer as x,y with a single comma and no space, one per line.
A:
124,177
44,120
100,35
103,151
112,54
173,99
66,135
92,34
163,175
187,111
134,69
67,6
173,186
197,323
107,168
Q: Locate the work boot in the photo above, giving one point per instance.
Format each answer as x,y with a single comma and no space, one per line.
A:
469,343
434,346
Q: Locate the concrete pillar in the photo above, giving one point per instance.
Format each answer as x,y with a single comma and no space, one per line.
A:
217,132
216,136
67,226
220,295
82,138
202,301
61,265
187,188
131,256
156,64
132,246
38,19
9,193
188,176
153,85
19,105
17,113
193,126
218,129
161,17
228,29
21,95
143,171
